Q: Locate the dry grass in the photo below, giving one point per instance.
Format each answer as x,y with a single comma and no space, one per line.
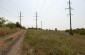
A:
5,43
7,35
5,31
40,42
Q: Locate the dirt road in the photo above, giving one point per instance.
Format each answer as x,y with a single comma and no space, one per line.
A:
16,49
9,36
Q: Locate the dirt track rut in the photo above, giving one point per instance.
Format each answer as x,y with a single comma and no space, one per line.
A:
16,48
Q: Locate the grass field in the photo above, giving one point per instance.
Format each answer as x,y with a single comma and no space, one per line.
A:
46,42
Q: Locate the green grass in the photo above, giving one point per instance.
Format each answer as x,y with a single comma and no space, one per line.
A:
41,42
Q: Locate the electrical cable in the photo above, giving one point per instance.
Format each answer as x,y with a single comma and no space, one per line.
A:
50,7
42,6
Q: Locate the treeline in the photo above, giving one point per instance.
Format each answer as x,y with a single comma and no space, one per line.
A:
80,31
32,28
5,23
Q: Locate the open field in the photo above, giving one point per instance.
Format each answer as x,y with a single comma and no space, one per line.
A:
46,42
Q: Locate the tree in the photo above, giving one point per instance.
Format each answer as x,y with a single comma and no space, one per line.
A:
18,25
55,29
11,25
2,21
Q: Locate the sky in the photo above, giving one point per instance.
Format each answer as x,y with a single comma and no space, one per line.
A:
52,13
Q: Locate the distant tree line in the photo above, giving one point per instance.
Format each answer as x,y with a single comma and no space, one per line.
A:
4,23
80,31
34,28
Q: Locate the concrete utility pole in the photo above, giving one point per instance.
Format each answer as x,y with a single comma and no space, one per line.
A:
20,17
71,33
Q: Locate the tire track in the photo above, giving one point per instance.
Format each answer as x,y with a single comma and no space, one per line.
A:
14,47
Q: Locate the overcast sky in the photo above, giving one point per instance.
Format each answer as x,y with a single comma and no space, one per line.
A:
51,12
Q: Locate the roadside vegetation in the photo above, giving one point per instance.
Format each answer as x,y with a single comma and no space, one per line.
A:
80,31
5,43
8,32
46,42
7,27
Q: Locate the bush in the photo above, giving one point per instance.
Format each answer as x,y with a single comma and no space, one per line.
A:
80,31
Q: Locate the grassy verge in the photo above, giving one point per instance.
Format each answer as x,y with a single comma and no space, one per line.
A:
6,31
7,40
40,42
2,45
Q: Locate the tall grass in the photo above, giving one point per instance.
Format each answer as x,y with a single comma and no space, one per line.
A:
40,42
5,31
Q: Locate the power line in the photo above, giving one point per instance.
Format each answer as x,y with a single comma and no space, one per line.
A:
51,5
42,5
12,4
7,11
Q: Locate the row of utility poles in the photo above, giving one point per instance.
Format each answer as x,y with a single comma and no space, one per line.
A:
36,20
71,33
